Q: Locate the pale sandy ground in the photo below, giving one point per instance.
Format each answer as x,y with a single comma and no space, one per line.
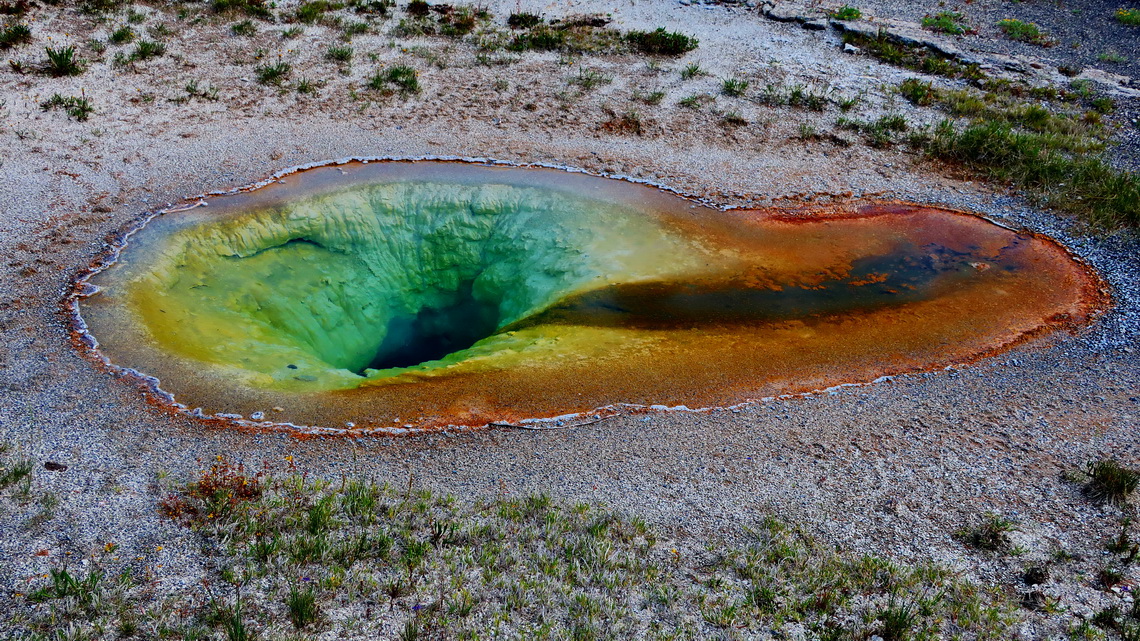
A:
890,468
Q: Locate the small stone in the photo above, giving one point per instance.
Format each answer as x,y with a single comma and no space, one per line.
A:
851,49
785,12
52,466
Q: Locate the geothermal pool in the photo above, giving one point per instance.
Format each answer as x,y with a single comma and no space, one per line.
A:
426,294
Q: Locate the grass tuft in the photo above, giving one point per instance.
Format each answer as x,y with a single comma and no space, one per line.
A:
524,20
14,35
1043,163
846,12
734,87
315,10
916,91
245,28
1109,482
1130,17
62,61
402,78
147,49
302,606
661,42
254,8
19,470
123,35
950,22
342,54
992,534
76,107
1024,32
273,74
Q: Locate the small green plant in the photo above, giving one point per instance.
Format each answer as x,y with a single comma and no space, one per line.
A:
651,98
244,28
589,79
694,101
233,624
340,54
353,29
123,35
539,39
1130,17
1112,56
1107,481
734,87
691,70
917,91
992,534
1024,32
147,49
411,631
950,22
21,469
254,8
62,61
195,91
273,74
292,32
847,103
1082,87
661,42
160,31
310,12
404,78
1104,105
99,7
1123,543
847,12
815,101
523,20
15,34
897,621
66,585
807,132
302,606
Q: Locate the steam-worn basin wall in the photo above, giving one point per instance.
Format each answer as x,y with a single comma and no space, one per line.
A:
392,293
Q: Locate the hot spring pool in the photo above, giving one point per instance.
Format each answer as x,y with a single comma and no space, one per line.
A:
425,294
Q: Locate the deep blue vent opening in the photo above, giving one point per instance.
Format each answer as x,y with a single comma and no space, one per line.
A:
434,332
